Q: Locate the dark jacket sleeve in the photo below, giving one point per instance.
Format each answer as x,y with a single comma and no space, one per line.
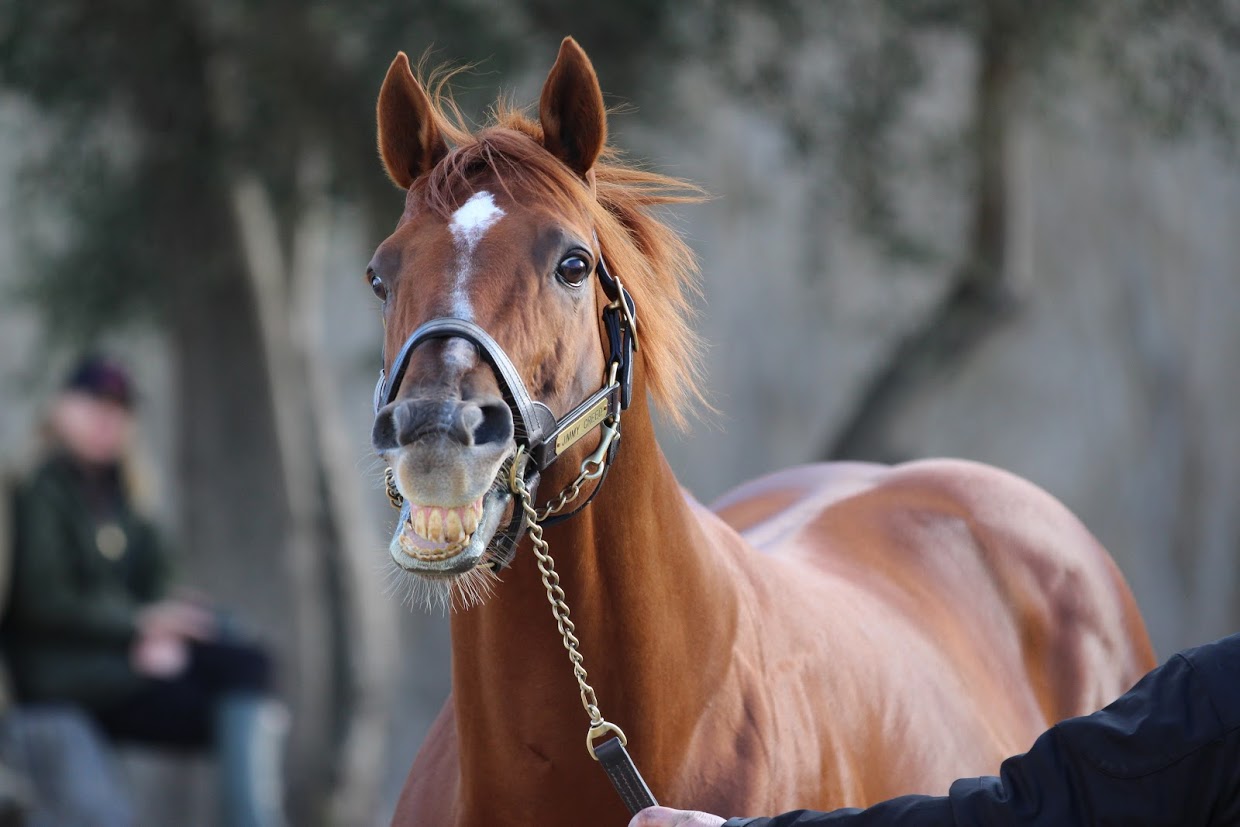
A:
154,567
46,602
1165,753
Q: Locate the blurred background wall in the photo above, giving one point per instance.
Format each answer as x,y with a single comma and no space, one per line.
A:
978,228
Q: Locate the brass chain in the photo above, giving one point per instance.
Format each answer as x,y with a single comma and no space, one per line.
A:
591,468
572,492
559,609
555,596
393,493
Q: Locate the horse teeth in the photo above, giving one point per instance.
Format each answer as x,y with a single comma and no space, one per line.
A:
453,531
444,525
434,525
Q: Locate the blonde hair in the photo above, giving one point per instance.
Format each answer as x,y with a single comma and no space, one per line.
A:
137,470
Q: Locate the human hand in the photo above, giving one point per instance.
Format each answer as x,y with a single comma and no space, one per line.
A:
177,619
159,656
665,817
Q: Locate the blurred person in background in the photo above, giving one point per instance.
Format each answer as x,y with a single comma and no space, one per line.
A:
91,622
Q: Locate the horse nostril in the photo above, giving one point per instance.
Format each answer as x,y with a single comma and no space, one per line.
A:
495,423
407,422
468,418
383,436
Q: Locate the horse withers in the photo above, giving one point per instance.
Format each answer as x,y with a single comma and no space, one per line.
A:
828,635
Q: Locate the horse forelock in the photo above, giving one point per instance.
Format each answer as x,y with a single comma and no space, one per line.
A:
651,258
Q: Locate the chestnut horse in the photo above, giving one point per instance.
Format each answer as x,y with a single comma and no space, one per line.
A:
828,635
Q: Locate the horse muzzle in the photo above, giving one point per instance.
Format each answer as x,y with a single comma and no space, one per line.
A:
448,460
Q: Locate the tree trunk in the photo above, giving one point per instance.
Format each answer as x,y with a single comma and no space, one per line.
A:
977,301
346,630
369,630
231,508
311,745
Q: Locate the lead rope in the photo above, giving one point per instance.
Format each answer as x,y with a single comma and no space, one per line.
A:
613,756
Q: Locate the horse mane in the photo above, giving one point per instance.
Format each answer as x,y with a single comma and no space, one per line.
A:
649,257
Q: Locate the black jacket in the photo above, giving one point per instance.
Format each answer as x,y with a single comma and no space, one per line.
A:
85,563
1166,753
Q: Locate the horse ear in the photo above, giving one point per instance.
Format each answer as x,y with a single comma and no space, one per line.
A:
571,110
410,142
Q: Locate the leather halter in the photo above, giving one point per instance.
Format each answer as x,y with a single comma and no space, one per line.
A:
536,429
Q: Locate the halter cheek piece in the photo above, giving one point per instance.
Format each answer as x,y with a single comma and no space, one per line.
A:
540,437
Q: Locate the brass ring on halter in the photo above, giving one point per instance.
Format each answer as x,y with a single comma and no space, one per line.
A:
514,472
601,729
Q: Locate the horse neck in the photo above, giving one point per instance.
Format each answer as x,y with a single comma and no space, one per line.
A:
653,613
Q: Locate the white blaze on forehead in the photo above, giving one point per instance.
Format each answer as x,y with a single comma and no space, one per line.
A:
473,219
469,224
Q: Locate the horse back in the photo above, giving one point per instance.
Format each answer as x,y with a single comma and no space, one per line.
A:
983,558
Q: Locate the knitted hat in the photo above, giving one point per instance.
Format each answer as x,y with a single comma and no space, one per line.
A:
102,378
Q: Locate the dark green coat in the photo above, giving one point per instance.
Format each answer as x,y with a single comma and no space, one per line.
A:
84,565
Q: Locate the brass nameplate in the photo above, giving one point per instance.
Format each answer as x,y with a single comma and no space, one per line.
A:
588,422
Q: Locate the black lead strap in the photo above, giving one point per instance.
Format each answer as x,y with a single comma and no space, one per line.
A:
623,774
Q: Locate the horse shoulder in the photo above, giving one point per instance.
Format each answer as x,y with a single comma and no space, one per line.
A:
429,795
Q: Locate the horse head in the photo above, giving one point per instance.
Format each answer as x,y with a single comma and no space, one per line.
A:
495,259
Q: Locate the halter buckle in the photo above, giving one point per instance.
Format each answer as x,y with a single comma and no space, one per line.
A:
623,303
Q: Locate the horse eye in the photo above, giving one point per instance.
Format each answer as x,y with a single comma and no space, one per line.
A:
573,270
376,284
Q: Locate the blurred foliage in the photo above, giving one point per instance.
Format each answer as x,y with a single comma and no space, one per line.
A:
1171,66
137,89
187,95
152,104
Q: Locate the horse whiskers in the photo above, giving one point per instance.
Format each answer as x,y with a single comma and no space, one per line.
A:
420,592
459,593
371,466
502,549
393,580
473,587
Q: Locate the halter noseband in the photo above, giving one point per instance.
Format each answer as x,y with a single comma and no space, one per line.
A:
540,437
